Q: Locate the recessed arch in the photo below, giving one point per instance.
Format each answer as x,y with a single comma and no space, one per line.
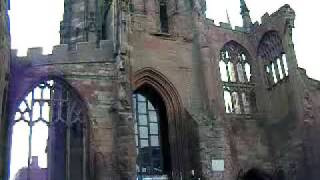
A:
149,78
34,83
235,64
162,85
151,134
241,47
273,56
53,111
270,45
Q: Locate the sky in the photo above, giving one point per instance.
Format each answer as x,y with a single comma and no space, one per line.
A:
36,23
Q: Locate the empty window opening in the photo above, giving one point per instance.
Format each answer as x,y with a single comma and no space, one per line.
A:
281,73
223,71
236,102
228,102
234,68
48,135
151,134
285,64
248,71
274,74
271,51
164,17
236,75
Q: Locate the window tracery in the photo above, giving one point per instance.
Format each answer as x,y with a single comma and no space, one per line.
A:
275,61
149,137
236,75
49,125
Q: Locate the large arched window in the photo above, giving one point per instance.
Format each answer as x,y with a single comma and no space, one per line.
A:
275,61
151,134
235,73
48,134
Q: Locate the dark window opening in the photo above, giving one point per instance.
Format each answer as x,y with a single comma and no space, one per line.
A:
164,17
103,9
48,135
152,136
104,28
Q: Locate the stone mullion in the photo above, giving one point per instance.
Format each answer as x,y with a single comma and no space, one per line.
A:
232,101
30,123
235,62
240,91
276,68
244,72
144,7
269,65
227,68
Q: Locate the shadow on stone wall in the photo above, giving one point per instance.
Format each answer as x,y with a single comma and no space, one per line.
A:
258,174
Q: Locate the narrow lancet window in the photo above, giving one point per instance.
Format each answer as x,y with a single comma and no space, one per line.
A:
164,25
285,64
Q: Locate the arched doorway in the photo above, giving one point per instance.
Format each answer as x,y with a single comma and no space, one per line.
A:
48,134
151,81
151,134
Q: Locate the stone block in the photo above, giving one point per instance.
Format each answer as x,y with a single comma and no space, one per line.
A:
60,49
14,52
35,52
225,25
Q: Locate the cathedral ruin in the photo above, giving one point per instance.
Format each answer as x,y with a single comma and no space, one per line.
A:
152,89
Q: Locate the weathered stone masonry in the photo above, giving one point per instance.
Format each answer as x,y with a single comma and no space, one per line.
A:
112,49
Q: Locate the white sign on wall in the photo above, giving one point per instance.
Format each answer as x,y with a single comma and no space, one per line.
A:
218,165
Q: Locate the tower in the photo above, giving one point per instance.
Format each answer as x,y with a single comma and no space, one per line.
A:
85,20
245,12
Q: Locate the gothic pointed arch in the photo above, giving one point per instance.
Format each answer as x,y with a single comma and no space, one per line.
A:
153,85
48,132
236,74
162,85
273,56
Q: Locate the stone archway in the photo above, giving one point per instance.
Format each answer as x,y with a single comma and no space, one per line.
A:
55,123
151,78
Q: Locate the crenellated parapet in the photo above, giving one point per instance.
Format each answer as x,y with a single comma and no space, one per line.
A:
61,54
227,26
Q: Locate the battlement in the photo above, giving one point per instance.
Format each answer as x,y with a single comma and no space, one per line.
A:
225,25
84,52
